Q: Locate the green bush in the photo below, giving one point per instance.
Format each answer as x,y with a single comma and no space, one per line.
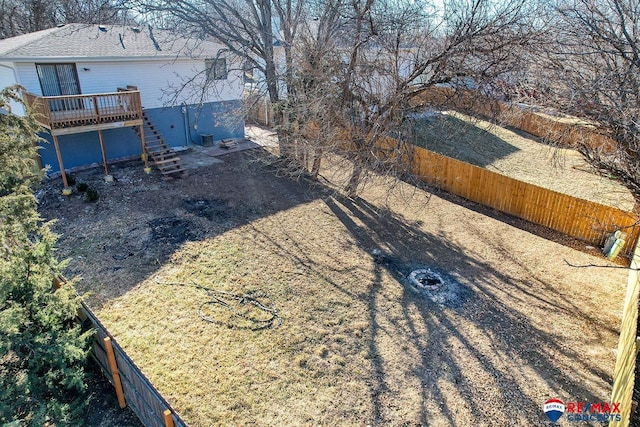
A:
42,349
92,195
82,186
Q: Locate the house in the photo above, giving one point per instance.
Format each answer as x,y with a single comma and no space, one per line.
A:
101,88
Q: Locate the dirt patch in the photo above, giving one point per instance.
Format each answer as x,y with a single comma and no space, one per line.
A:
356,345
170,231
103,409
210,209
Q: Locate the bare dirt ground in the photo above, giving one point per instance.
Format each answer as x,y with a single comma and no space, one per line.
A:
513,327
519,155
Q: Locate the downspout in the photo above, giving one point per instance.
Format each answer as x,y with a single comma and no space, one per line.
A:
15,78
187,127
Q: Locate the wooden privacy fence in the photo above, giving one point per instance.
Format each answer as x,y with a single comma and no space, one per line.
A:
259,110
582,219
624,371
132,387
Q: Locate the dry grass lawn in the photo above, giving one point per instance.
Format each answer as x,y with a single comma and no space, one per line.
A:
519,155
356,345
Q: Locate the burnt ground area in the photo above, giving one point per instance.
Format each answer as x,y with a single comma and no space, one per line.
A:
139,220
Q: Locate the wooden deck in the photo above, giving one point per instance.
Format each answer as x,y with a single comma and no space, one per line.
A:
84,113
64,115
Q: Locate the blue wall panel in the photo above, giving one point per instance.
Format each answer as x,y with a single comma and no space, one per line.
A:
82,149
220,119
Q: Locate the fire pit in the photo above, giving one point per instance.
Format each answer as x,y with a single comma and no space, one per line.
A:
425,280
440,288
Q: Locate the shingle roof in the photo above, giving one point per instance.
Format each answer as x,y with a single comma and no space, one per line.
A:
102,42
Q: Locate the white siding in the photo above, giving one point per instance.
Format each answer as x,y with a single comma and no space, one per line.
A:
157,81
8,78
28,78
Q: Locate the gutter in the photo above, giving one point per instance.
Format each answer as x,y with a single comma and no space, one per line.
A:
98,58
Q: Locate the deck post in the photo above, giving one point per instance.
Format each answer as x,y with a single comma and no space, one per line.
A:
104,153
66,190
144,155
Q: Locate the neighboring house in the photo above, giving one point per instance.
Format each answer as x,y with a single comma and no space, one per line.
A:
187,88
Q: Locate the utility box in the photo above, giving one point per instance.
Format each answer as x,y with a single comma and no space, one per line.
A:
206,140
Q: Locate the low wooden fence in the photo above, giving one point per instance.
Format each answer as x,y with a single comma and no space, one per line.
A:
624,371
582,219
132,387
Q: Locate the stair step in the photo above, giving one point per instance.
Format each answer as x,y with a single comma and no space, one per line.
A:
171,160
160,152
178,168
164,158
158,144
169,167
159,160
173,172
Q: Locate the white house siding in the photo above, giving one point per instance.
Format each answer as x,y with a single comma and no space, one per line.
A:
7,74
8,78
156,80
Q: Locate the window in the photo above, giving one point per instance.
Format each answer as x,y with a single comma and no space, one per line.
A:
216,68
247,68
57,80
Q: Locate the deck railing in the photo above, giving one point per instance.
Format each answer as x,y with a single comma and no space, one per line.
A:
57,112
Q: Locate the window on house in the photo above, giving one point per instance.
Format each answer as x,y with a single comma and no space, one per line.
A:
59,79
216,68
247,69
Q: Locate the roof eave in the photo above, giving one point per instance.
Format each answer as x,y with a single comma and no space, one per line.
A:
98,59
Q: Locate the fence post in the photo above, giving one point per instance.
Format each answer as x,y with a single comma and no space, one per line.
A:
168,418
114,372
624,371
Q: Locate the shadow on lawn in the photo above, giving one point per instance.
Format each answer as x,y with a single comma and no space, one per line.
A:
512,333
450,136
140,221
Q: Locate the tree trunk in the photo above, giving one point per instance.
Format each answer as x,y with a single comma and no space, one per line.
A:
354,181
317,160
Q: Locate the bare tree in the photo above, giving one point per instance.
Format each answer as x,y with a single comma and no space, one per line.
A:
249,29
341,74
24,16
362,63
592,70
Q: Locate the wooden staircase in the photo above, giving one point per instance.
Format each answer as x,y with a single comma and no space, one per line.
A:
165,159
